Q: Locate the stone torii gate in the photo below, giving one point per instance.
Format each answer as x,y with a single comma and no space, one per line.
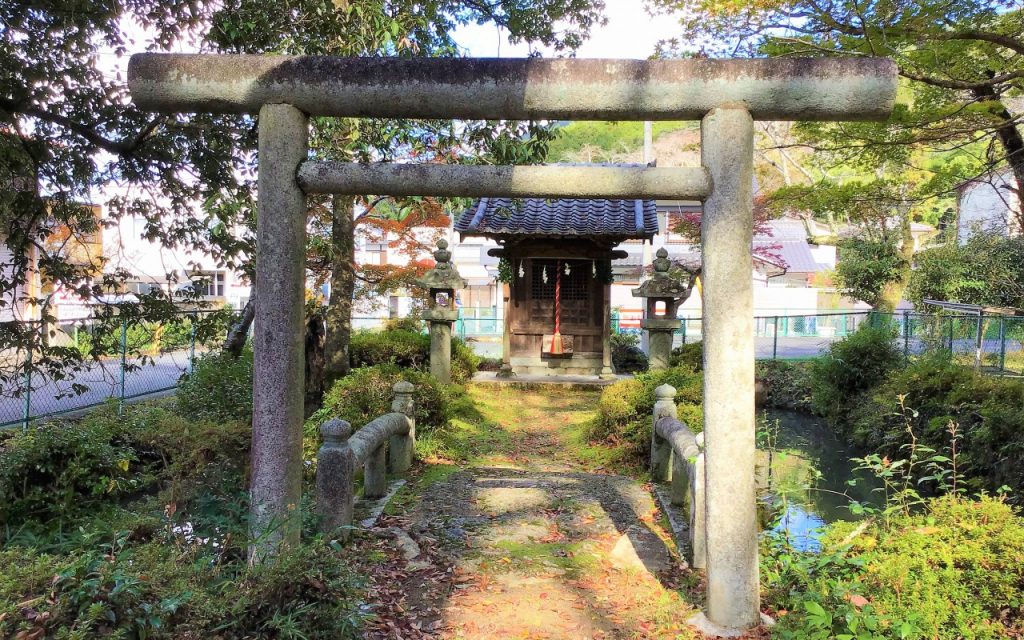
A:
726,95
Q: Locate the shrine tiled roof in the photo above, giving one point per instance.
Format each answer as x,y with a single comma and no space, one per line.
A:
552,218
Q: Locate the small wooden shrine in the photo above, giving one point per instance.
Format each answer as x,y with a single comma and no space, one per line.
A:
555,264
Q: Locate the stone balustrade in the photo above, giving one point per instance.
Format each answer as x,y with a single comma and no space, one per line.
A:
342,453
677,455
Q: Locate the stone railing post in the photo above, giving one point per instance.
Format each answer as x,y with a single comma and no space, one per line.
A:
688,491
375,473
335,473
403,446
661,449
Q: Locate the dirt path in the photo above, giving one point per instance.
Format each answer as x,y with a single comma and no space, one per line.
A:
527,539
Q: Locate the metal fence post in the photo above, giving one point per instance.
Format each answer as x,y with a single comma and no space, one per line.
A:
684,330
28,388
192,345
124,362
979,340
951,334
1002,344
906,336
775,339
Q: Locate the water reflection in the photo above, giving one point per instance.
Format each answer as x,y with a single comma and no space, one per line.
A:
804,474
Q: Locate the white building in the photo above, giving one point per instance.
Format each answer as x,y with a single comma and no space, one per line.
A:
988,204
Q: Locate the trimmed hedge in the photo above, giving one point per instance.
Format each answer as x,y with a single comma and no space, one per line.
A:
367,393
411,349
625,408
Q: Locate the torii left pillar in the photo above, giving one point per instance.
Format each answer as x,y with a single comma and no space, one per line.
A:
278,371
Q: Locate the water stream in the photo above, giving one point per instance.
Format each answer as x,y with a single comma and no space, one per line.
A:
804,479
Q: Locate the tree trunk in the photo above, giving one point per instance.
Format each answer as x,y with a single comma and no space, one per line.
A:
1013,143
314,362
343,283
239,332
891,294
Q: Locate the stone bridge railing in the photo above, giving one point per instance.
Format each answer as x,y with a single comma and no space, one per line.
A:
677,455
342,453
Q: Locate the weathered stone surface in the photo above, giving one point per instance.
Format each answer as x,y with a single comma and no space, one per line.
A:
726,233
335,473
441,351
443,276
483,181
402,445
279,366
516,89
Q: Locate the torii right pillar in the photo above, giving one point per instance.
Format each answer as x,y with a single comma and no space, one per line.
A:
727,153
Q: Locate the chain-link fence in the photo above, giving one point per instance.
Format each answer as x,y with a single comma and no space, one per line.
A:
103,359
126,359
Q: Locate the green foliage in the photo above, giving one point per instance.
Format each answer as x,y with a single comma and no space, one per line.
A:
56,469
409,349
627,357
787,385
135,526
689,355
960,68
366,393
170,586
59,471
586,141
219,388
987,413
625,408
851,366
867,266
987,270
948,571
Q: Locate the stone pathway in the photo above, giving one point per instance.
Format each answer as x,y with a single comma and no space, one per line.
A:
528,543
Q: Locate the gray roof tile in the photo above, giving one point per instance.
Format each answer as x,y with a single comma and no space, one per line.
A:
614,219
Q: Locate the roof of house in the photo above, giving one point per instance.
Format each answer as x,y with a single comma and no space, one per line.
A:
539,217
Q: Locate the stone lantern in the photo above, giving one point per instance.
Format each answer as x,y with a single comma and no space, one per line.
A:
664,294
442,281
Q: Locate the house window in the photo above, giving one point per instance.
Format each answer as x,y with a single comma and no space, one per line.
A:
209,284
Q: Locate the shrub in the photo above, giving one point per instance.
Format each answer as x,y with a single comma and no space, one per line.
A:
627,357
787,385
851,366
408,349
625,408
366,394
689,355
987,411
950,572
408,323
219,388
172,588
398,347
58,469
61,470
186,454
489,364
464,361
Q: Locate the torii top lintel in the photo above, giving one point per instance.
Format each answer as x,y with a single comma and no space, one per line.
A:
516,89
